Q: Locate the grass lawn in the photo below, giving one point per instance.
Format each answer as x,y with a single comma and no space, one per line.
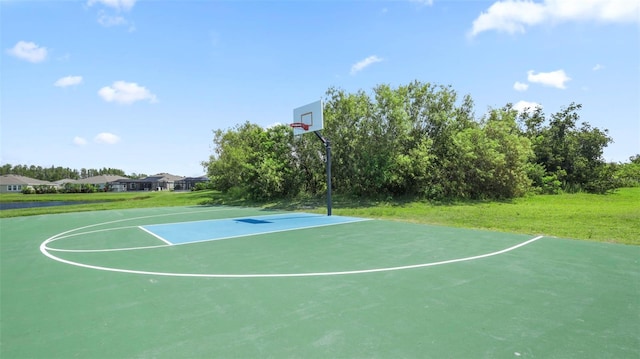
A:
607,218
104,201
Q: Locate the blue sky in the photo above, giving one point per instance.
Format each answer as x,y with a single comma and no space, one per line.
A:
141,85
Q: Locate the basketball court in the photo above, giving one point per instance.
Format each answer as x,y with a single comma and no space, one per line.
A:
191,282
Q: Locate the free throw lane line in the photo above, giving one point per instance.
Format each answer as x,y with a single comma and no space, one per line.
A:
155,235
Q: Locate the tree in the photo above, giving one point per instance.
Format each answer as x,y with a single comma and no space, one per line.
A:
398,142
501,157
254,161
569,154
628,174
348,125
416,140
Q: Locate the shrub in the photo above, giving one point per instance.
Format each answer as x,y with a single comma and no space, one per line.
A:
237,192
543,182
202,186
41,189
89,188
628,174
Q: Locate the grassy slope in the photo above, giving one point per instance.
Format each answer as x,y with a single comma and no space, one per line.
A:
610,218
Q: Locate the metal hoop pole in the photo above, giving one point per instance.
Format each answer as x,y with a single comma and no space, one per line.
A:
327,146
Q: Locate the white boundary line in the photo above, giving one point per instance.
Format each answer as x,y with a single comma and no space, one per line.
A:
44,251
284,275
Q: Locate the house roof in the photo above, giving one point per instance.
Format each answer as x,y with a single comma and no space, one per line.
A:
200,178
64,180
99,179
22,180
162,177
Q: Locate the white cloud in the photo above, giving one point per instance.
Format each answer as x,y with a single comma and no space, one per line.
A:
527,106
519,86
115,18
361,65
125,5
79,141
513,16
108,20
28,51
508,16
107,138
126,93
275,124
555,79
68,81
598,67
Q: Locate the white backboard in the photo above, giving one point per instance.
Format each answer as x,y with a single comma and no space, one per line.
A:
310,115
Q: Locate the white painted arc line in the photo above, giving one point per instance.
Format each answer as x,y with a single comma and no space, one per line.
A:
155,235
282,275
105,250
90,232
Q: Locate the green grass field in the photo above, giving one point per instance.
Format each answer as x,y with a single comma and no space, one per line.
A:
607,218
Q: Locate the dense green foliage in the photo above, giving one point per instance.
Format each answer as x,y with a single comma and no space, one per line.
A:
53,173
570,156
418,140
627,174
255,161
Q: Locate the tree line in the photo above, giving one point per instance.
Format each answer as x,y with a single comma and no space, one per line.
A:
54,173
420,140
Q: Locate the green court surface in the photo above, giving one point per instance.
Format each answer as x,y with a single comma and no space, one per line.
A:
96,285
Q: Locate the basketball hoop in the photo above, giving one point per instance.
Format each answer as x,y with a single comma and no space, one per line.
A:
306,119
301,125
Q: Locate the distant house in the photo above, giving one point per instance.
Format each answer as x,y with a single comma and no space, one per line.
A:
158,182
188,183
103,181
163,181
16,183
